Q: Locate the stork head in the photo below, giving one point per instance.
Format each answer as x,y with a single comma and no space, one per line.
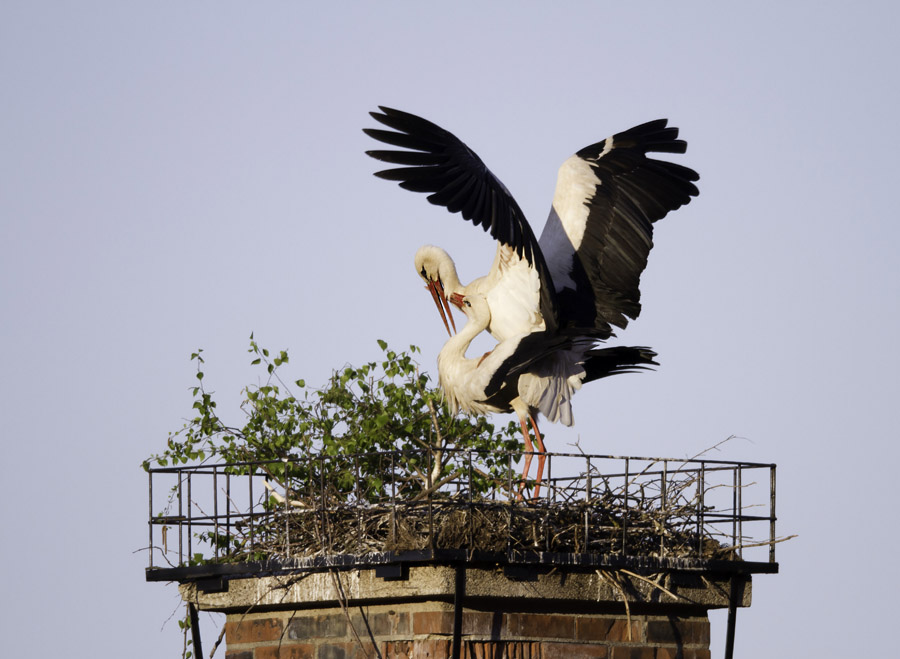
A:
474,305
431,262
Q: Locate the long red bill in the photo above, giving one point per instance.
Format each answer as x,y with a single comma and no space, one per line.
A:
437,293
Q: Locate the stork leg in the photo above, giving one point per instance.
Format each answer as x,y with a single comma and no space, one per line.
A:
542,456
529,447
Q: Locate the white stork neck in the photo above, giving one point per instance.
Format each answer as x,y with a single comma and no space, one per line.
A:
455,347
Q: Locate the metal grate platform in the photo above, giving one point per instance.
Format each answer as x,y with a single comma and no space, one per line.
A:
593,511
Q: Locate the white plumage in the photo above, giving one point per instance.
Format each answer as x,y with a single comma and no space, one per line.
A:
584,272
547,301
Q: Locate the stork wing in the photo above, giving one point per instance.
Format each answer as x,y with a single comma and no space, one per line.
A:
438,163
600,230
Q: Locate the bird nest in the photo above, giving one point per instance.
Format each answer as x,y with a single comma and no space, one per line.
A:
646,523
619,507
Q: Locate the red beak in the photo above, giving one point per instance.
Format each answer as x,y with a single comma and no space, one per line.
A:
437,293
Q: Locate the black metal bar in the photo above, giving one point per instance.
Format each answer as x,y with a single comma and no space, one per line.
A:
252,502
216,512
739,512
459,595
326,533
180,522
772,514
701,494
732,618
150,518
625,511
190,527
195,631
429,483
393,503
228,506
725,465
587,505
509,502
359,516
662,509
471,525
734,507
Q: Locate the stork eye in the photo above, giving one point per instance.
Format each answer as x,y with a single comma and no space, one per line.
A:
467,303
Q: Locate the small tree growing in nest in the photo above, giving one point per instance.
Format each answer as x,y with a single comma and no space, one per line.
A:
382,406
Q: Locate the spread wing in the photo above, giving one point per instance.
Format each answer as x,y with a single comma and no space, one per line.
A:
600,230
439,164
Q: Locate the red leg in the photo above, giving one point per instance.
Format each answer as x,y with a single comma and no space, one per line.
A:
542,457
529,447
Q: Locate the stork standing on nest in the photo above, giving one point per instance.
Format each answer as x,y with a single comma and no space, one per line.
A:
531,372
582,278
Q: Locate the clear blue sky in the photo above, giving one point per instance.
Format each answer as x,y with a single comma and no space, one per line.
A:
177,175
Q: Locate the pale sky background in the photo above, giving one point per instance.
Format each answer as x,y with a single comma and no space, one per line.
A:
179,175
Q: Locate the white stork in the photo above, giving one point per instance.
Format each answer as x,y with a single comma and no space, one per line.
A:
526,374
584,272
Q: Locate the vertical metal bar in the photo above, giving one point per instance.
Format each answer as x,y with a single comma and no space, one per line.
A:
430,499
701,493
740,512
625,510
287,511
509,473
150,516
734,506
180,521
459,594
228,507
393,502
550,483
359,519
587,507
216,512
471,505
195,630
190,514
509,503
252,472
772,514
326,535
732,618
662,508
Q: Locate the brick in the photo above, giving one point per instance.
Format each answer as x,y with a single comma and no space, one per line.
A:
253,630
396,649
475,623
481,623
389,623
290,651
701,632
539,625
631,652
679,653
245,654
349,650
678,631
430,649
331,651
433,622
318,626
607,629
572,650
